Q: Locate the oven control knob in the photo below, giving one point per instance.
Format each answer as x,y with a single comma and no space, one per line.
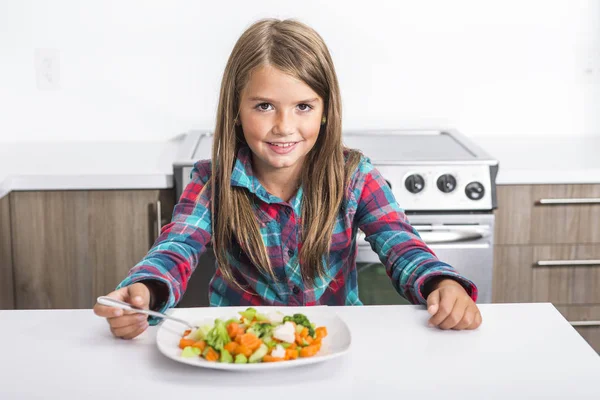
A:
475,190
414,183
446,183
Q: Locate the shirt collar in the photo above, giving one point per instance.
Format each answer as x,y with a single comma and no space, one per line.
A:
243,176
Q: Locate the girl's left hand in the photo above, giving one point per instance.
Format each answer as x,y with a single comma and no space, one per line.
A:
451,307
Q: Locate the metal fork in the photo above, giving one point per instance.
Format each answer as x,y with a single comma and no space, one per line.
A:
110,302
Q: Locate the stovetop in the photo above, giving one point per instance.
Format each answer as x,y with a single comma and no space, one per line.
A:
416,146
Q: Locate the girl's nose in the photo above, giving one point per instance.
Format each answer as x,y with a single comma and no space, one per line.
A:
284,123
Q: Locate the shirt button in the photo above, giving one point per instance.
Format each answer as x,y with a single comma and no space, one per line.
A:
290,253
296,290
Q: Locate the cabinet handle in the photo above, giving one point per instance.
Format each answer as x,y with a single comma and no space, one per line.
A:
158,218
566,263
550,202
585,323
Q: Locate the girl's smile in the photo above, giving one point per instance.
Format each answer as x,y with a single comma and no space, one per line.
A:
282,147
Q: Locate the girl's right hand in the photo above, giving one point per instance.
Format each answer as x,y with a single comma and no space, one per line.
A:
126,324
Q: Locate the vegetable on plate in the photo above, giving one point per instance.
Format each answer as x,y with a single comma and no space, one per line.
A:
254,338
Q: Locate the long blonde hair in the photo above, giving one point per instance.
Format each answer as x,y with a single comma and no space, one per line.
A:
299,51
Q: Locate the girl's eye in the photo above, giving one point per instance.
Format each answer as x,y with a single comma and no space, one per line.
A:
263,107
304,107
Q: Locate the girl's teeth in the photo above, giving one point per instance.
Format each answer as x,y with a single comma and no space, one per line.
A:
282,144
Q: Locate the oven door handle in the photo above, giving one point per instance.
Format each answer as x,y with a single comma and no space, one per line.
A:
440,234
452,236
444,234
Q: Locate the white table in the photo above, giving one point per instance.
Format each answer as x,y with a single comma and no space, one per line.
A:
522,351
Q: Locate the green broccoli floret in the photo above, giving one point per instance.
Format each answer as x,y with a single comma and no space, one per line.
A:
301,319
262,329
218,336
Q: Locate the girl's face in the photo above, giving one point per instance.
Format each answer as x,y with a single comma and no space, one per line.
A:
280,117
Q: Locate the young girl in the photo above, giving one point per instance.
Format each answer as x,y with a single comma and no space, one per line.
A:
282,200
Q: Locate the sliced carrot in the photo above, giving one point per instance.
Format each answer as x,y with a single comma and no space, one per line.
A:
309,351
187,332
309,339
304,332
241,349
293,346
269,358
183,343
201,344
321,332
299,340
291,354
250,341
231,346
238,337
212,355
233,329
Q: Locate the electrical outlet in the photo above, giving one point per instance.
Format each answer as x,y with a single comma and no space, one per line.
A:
47,69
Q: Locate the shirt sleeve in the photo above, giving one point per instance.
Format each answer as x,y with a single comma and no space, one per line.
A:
175,253
409,262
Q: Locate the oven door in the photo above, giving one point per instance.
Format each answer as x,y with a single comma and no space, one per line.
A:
465,241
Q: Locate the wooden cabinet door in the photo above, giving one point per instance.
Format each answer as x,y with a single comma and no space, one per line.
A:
6,267
525,217
518,277
72,246
574,279
122,227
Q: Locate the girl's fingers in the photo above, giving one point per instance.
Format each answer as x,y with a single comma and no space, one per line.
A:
455,316
126,320
433,302
129,331
467,319
447,301
477,321
109,312
137,332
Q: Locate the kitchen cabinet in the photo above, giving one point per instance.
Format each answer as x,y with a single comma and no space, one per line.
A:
71,246
547,249
523,218
519,278
6,270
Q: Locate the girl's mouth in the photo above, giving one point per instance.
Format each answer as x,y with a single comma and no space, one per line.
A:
282,148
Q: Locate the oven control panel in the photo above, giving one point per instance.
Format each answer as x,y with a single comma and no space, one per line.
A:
438,187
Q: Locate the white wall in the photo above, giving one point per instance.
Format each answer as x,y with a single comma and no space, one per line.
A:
149,70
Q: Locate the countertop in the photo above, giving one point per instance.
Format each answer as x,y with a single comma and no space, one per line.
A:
521,351
87,165
149,165
544,160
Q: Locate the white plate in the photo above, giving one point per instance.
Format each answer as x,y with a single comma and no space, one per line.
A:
336,343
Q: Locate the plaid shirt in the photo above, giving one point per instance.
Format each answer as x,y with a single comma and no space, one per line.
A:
369,205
